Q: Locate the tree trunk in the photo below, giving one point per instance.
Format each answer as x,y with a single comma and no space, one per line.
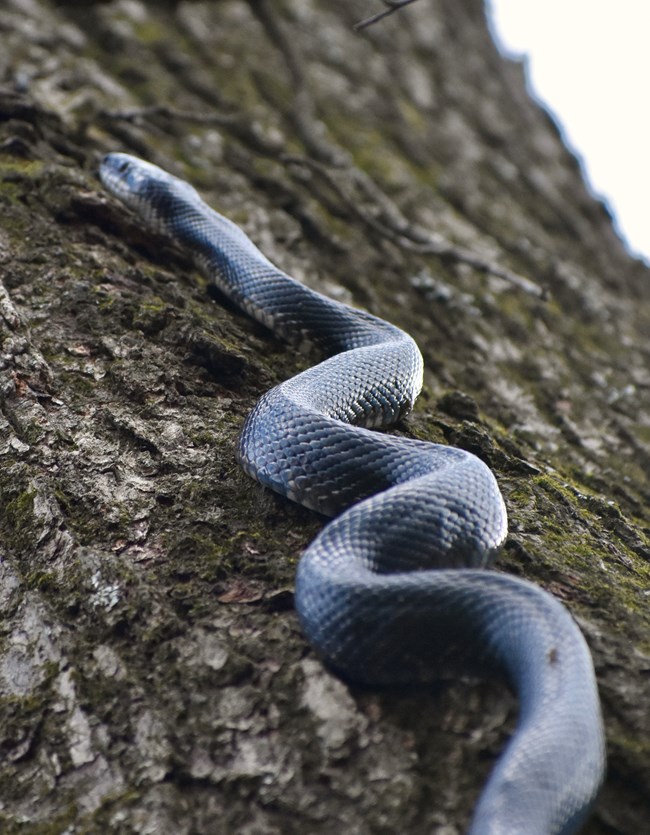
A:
153,677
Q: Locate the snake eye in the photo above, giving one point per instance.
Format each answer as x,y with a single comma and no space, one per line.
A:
123,166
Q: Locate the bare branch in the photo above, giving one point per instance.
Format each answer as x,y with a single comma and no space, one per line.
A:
393,6
387,221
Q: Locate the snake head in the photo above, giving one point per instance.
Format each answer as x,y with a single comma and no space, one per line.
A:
144,187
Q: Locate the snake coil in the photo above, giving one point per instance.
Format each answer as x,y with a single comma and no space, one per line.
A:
394,589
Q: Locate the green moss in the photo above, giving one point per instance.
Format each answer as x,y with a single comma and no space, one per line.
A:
105,301
84,387
578,541
644,648
274,89
43,581
18,518
149,31
15,170
413,116
202,437
637,745
368,149
58,824
84,519
151,315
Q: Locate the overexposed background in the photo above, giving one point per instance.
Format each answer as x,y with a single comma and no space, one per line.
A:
589,64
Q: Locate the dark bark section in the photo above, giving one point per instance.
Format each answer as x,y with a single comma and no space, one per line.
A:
152,676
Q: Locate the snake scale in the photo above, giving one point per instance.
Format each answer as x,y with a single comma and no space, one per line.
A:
394,589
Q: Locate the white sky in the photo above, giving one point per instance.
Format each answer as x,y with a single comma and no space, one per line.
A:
589,62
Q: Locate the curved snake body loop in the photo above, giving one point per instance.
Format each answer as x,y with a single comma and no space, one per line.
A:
394,590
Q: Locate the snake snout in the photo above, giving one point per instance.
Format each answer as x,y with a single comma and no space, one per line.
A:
116,171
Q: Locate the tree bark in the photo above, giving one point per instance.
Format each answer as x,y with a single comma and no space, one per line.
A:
153,677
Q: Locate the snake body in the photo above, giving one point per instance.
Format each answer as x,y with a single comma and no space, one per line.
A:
394,590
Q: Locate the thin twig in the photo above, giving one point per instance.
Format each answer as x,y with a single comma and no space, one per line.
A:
235,122
302,109
135,114
393,6
391,225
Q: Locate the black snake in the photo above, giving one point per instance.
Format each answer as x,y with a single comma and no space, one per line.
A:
394,590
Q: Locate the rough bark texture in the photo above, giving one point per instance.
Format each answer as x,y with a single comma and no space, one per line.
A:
153,678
